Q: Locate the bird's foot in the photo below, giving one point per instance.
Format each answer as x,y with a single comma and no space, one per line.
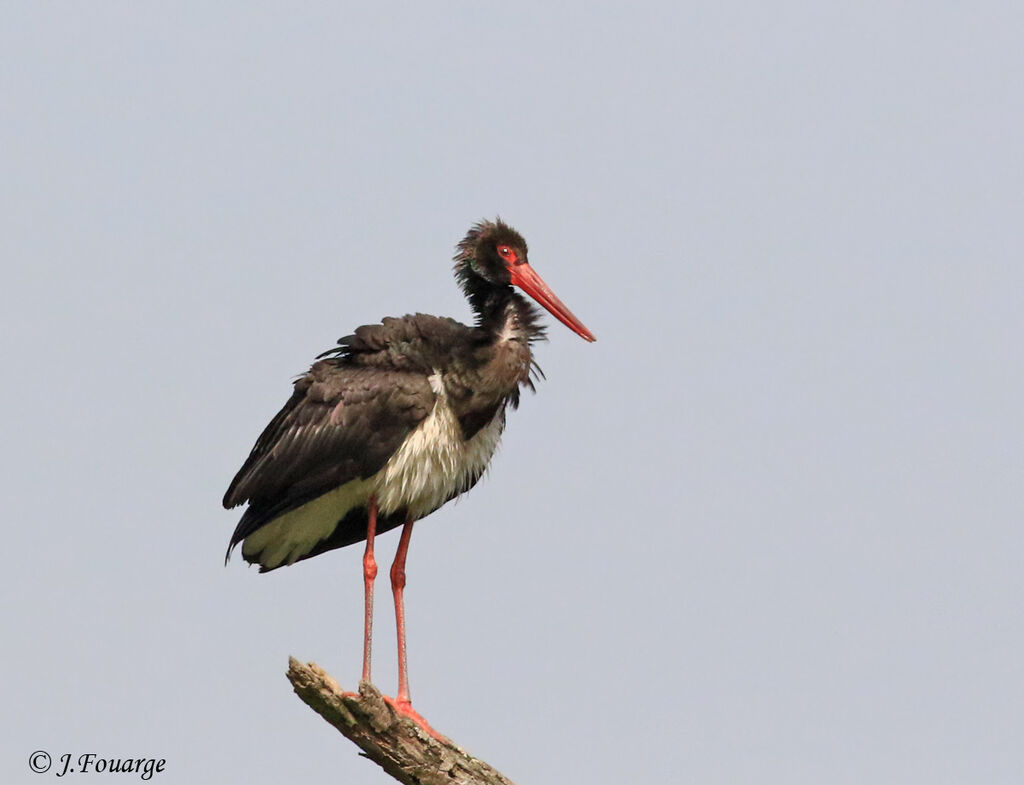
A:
405,709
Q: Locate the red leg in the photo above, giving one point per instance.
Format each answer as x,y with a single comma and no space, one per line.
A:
398,586
402,704
369,573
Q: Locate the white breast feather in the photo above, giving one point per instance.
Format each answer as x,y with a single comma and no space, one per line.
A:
435,462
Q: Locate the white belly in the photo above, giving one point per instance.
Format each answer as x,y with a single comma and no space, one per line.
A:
433,464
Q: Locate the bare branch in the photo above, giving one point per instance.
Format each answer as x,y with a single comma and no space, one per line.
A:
394,742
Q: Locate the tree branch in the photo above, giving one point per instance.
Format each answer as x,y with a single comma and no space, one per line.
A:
394,742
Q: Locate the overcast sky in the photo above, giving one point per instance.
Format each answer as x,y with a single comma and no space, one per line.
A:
767,529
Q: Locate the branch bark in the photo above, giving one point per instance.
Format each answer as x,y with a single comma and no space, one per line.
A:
394,742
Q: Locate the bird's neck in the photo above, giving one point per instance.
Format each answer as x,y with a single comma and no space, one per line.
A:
506,315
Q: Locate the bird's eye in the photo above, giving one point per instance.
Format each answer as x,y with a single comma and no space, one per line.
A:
506,253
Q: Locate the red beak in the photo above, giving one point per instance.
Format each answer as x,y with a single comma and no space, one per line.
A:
526,279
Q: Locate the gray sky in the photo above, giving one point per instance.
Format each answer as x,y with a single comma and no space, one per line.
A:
767,529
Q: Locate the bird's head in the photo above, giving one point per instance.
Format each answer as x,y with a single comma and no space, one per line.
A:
493,255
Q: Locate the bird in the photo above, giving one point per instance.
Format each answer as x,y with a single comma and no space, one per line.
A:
395,421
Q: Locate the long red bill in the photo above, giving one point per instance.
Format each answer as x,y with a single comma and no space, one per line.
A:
527,279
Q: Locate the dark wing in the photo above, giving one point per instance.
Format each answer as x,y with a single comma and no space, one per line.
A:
420,342
342,422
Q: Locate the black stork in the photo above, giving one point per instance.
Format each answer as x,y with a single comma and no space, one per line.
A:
400,418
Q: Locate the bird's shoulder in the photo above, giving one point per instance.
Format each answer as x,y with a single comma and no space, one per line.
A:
417,342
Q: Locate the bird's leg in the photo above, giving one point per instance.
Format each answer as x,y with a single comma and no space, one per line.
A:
398,587
369,573
402,704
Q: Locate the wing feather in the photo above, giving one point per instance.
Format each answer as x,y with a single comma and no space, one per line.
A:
341,423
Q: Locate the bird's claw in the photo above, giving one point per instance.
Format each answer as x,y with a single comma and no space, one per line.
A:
403,707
